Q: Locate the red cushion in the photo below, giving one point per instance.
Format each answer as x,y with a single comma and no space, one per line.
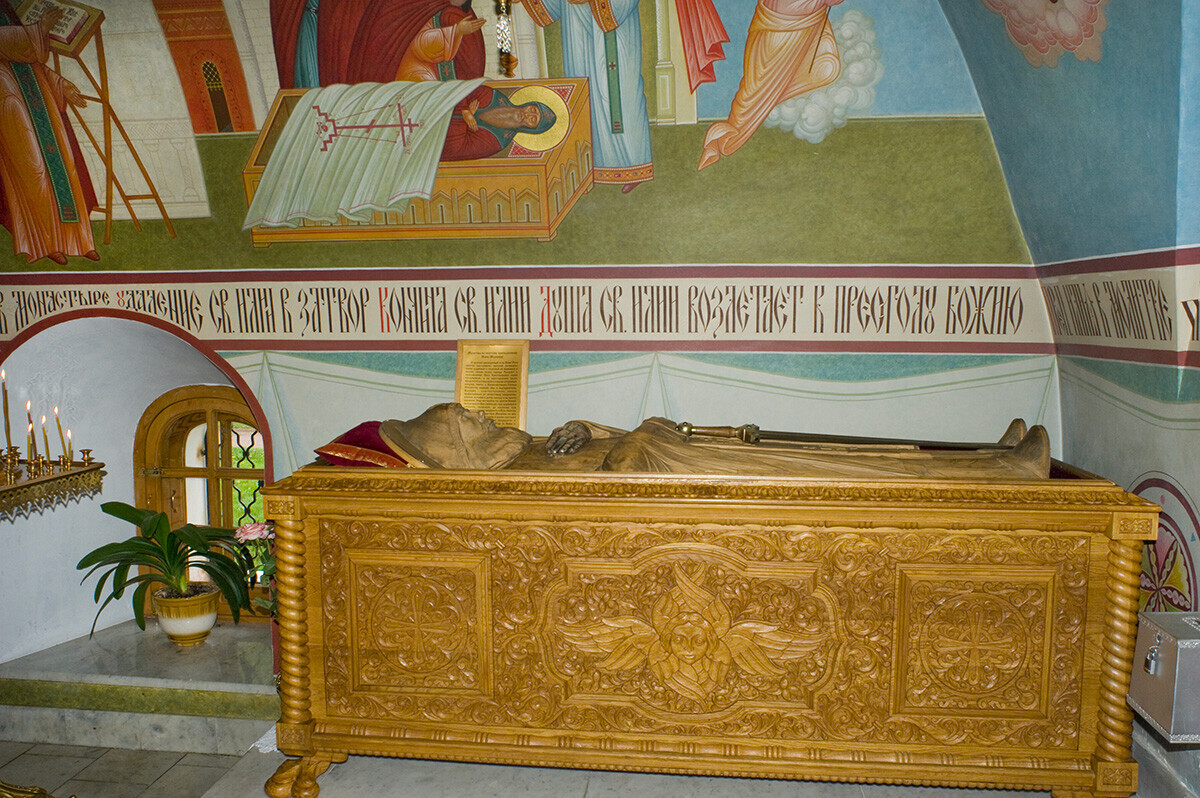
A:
361,446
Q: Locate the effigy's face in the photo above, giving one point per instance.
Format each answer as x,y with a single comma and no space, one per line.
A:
487,445
473,423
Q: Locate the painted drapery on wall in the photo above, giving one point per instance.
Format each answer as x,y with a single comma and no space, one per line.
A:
360,41
790,49
602,41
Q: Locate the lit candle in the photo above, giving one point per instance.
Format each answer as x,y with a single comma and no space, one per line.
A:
70,448
45,437
7,434
29,450
61,439
32,437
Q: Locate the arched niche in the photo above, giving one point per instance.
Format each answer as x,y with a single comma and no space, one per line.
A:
102,373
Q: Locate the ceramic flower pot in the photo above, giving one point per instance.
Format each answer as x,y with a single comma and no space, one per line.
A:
188,620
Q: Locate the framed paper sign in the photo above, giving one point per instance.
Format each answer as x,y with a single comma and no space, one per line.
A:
493,376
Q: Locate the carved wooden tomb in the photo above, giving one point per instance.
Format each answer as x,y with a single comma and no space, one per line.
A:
917,632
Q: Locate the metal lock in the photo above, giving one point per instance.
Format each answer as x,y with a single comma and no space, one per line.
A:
1151,663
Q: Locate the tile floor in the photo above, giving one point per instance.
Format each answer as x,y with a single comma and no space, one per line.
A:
118,773
370,777
66,770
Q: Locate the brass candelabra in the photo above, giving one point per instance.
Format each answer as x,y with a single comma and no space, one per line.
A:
28,486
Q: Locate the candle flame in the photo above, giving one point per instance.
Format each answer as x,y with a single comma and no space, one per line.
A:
56,410
1,374
68,434
43,421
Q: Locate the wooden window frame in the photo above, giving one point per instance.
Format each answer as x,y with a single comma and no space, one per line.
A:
151,479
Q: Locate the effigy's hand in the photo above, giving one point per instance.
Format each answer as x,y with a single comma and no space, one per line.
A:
568,438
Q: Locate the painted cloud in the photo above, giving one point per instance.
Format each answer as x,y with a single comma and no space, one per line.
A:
1045,29
814,115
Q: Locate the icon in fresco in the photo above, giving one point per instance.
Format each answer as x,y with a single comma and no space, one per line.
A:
595,131
328,166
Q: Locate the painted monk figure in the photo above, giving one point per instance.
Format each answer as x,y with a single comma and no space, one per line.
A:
602,41
449,436
323,42
486,122
46,194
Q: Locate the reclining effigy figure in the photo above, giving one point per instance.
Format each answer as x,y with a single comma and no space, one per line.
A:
450,436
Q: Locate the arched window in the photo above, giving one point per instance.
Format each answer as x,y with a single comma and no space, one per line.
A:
198,457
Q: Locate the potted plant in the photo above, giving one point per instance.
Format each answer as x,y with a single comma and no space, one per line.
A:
159,555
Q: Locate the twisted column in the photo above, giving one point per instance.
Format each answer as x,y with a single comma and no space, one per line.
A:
1120,634
293,629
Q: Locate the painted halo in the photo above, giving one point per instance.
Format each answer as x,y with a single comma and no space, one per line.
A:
539,142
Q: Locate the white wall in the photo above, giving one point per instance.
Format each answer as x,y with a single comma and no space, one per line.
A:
1122,435
102,374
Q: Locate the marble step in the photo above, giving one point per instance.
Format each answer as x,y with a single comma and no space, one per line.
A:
128,688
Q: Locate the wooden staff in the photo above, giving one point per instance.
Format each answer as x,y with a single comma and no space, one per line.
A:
750,433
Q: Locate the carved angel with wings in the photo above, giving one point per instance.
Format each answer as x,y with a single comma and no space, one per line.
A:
691,641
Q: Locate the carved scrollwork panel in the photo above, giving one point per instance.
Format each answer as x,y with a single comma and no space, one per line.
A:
789,633
418,625
401,622
276,507
681,634
974,640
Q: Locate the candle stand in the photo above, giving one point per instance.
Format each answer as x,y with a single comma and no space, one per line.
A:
27,487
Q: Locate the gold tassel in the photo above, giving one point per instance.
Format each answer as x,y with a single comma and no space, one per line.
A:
504,40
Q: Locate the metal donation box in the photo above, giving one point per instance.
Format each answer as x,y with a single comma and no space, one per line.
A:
1165,687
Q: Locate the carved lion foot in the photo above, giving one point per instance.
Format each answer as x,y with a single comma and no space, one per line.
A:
297,778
